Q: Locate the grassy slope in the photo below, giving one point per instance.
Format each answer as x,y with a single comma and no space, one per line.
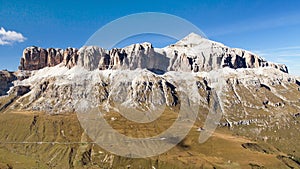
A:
223,150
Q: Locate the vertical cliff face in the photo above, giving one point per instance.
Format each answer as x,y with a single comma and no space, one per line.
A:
89,57
145,56
54,56
6,79
192,53
70,57
93,57
35,58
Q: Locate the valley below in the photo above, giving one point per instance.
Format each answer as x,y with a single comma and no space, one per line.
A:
38,140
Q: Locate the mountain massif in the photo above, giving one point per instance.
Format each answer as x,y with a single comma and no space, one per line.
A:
192,53
260,105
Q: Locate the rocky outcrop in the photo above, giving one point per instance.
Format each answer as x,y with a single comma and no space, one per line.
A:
147,90
92,57
193,53
35,58
6,79
19,90
70,57
145,56
89,57
56,93
54,56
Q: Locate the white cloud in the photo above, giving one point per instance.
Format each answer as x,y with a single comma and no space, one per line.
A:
289,55
9,37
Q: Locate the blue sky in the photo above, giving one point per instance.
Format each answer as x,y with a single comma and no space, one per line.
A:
268,28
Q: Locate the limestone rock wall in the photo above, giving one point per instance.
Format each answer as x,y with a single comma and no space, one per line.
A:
193,53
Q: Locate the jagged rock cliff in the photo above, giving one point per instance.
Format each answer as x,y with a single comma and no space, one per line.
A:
199,54
35,58
193,53
57,89
6,79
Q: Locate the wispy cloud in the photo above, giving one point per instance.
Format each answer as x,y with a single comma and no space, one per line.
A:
257,24
289,55
290,51
260,53
8,37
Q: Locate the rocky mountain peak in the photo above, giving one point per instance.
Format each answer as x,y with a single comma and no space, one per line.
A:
193,53
191,38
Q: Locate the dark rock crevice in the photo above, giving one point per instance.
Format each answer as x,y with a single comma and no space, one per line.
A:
6,79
